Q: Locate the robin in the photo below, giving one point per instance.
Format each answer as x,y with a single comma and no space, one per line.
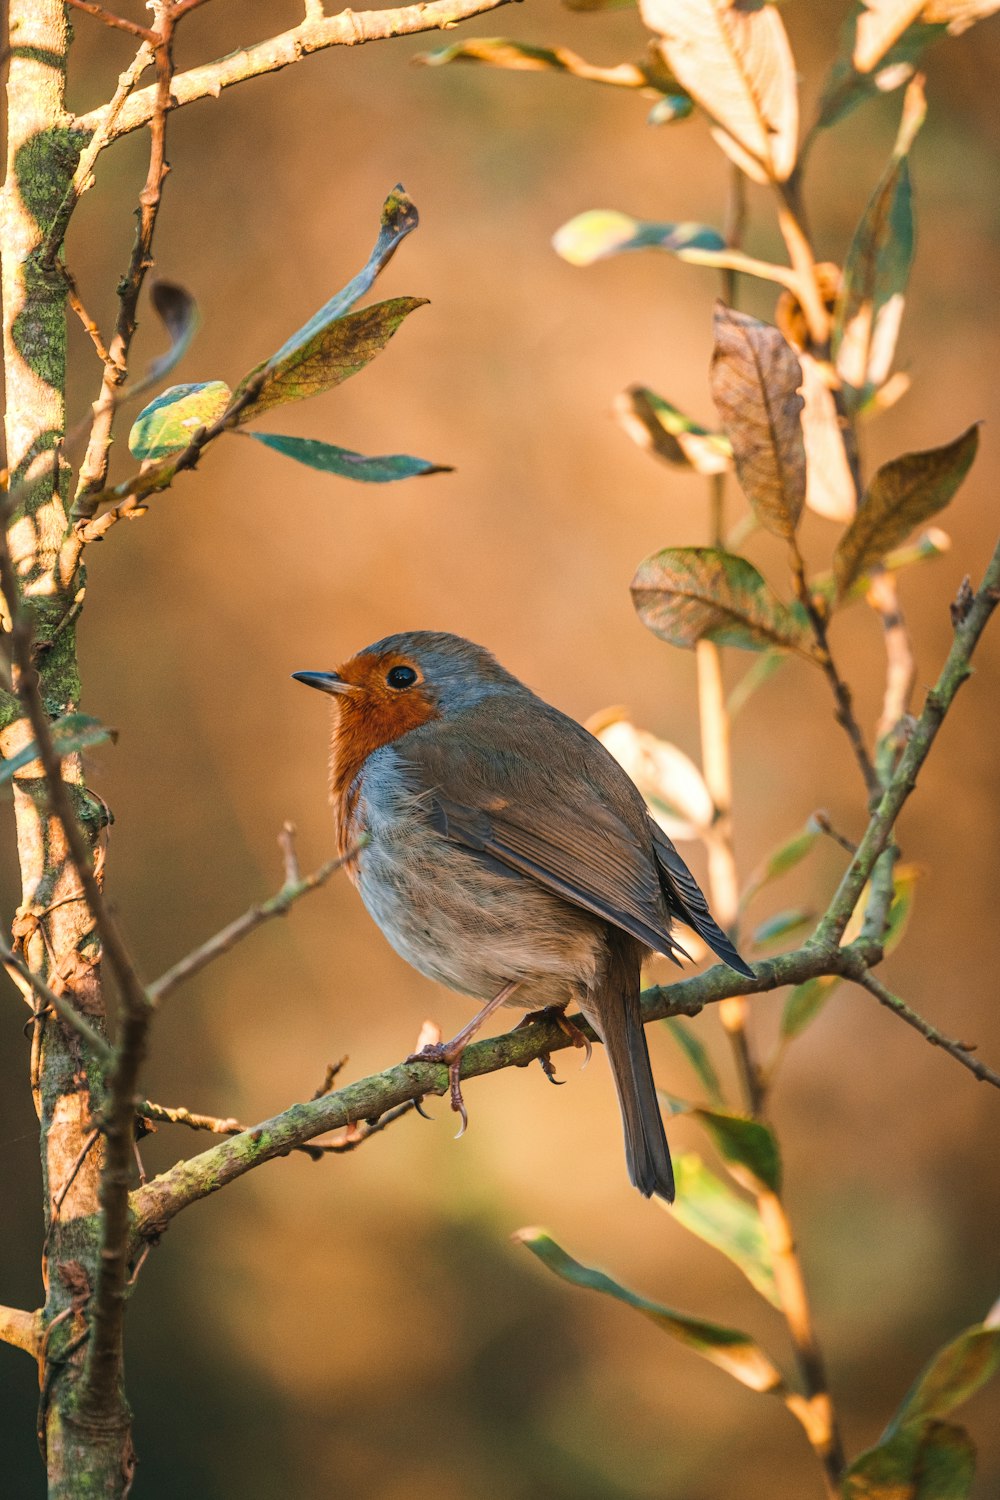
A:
508,855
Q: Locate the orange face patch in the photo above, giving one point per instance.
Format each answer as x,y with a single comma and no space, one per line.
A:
373,714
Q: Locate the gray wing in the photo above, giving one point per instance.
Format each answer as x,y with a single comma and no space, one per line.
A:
526,789
686,899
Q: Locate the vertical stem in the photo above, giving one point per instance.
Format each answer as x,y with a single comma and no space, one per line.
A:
817,1415
54,928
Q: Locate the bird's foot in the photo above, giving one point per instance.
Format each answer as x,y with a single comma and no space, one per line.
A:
557,1014
446,1052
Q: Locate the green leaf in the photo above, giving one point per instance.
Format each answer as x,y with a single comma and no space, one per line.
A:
780,861
168,424
688,594
710,1209
696,1053
736,63
732,1351
660,428
805,1003
763,668
601,232
328,357
71,733
748,1148
348,465
526,57
922,1461
903,494
777,929
871,298
755,380
954,1374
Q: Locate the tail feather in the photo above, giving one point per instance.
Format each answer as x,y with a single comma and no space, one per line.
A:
615,1014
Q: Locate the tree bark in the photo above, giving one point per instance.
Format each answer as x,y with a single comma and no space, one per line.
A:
54,928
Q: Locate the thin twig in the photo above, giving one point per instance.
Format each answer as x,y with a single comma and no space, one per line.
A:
960,1051
76,304
313,34
63,1008
235,931
357,1133
844,711
879,832
94,469
82,177
118,23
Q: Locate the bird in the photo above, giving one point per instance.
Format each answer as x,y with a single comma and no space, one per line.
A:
505,853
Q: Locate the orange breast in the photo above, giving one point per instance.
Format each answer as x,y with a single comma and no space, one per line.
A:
364,721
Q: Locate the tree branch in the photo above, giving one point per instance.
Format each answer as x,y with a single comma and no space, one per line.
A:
314,34
355,1136
970,624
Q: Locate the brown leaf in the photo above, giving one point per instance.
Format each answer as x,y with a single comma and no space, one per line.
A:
903,494
755,378
688,594
879,26
735,61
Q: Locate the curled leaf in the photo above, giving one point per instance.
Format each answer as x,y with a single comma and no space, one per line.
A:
688,594
168,424
344,463
669,780
904,493
660,428
755,379
178,312
526,57
732,1351
601,232
735,61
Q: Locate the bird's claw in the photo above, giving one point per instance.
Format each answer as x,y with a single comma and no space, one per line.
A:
549,1069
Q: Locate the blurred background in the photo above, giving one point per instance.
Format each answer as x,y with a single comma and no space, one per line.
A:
364,1325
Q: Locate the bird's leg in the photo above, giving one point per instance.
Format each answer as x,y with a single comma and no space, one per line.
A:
451,1052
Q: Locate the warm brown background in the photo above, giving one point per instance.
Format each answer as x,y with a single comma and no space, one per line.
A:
364,1326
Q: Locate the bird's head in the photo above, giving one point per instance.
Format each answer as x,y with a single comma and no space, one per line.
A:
404,681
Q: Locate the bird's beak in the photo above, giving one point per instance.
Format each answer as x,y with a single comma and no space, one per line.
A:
327,682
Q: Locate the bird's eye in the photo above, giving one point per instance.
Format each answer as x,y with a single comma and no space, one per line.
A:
401,677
